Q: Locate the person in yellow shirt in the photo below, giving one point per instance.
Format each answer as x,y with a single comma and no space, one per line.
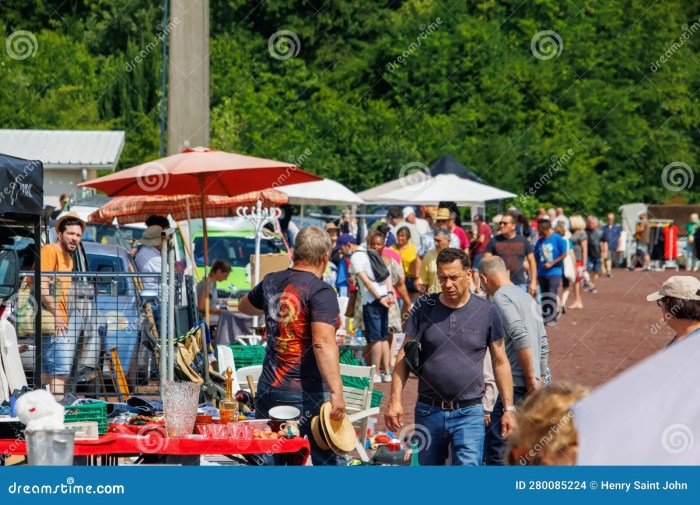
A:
409,257
428,279
58,348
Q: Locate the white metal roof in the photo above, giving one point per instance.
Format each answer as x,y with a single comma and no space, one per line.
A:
65,148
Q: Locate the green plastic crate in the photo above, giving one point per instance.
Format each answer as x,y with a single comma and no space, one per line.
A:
96,411
247,355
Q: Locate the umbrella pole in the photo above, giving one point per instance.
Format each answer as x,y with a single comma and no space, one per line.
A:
301,215
171,308
205,242
205,349
163,329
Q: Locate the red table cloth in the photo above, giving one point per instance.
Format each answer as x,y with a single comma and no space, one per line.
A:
113,444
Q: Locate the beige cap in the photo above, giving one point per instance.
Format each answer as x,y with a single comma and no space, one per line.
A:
684,287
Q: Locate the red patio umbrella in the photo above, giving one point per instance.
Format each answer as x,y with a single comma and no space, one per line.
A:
201,171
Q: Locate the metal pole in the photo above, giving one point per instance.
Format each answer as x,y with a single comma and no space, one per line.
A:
37,292
164,78
171,310
163,330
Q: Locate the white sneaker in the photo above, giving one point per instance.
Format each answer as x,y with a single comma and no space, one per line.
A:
386,377
377,378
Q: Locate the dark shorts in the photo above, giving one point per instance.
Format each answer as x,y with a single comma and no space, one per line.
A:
594,264
376,319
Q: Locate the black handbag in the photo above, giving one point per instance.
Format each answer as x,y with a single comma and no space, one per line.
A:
412,349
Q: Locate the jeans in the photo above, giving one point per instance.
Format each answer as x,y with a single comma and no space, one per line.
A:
494,444
309,404
461,431
549,286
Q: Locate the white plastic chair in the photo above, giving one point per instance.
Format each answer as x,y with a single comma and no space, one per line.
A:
357,403
224,357
242,373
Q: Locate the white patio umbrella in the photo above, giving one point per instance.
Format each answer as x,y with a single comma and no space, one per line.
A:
324,192
432,191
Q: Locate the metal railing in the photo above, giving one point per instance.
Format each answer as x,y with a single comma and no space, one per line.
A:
99,336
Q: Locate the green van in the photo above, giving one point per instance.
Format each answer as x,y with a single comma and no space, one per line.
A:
235,247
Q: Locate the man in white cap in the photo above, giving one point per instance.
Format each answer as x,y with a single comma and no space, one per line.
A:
148,258
679,299
409,214
396,220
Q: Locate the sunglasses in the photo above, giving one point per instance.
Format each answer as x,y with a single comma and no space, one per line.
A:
504,223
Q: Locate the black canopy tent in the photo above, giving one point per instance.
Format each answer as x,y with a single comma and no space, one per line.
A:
22,207
449,165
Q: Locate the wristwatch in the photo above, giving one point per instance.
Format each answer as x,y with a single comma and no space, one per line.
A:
510,408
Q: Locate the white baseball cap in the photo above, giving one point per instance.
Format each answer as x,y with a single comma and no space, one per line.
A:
684,287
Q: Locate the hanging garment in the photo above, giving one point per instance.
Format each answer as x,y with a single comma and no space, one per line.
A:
671,242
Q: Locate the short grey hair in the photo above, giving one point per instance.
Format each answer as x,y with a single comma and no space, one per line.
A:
311,244
492,265
444,233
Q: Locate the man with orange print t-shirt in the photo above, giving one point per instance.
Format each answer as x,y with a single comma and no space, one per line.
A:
59,348
302,363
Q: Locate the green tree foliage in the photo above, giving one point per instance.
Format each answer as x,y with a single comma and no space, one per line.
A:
372,86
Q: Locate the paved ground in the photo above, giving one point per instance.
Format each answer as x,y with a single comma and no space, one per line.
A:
616,329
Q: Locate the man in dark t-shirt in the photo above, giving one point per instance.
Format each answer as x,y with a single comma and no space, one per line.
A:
514,249
302,364
454,328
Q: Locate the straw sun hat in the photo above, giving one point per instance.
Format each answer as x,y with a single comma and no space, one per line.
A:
336,435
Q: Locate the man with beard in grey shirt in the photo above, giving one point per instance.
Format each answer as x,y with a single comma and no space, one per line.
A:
525,342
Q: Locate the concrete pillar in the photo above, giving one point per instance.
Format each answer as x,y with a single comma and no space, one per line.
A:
188,77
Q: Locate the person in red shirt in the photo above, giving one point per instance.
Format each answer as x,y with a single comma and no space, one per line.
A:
483,237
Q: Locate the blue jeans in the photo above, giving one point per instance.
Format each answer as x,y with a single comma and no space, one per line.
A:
494,443
461,431
309,404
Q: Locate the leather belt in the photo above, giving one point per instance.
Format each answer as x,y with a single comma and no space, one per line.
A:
444,405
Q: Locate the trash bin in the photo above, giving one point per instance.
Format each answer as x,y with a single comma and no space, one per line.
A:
50,447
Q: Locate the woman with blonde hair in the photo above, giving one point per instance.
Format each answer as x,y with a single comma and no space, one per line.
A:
579,239
546,433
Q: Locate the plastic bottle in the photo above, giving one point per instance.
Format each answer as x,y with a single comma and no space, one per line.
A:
414,455
358,337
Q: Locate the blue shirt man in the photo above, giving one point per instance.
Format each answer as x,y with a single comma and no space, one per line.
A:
550,251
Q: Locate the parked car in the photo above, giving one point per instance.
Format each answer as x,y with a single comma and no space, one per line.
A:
118,306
